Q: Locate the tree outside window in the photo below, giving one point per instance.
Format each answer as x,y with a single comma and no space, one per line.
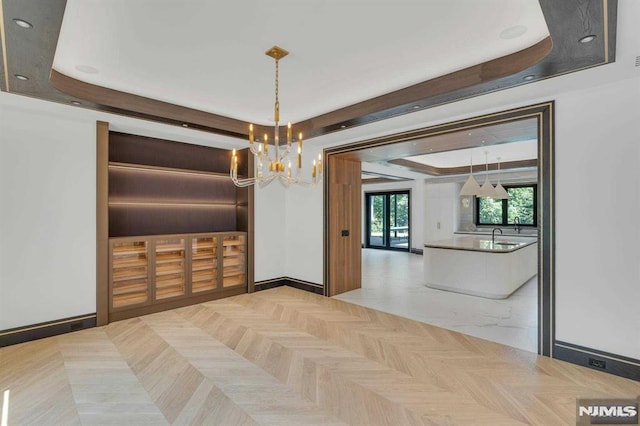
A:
522,203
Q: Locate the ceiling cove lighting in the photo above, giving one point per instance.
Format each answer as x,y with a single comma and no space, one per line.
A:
470,187
22,23
587,39
270,164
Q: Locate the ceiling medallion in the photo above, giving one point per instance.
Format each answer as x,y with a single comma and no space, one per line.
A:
270,164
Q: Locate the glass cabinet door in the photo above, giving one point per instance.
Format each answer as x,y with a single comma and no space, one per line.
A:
234,260
170,268
204,264
129,273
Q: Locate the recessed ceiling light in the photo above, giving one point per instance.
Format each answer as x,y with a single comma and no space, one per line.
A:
21,77
513,32
416,107
587,39
76,103
528,77
343,126
22,23
87,69
185,125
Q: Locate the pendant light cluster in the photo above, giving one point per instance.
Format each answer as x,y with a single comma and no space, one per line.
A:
487,190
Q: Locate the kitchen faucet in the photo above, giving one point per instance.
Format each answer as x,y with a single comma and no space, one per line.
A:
516,221
493,234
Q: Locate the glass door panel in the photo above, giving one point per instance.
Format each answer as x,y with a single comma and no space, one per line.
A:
377,220
399,221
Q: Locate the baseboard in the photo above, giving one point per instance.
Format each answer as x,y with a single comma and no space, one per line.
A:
291,282
597,360
27,333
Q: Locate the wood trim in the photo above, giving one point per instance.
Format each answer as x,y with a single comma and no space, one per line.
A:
139,106
396,103
31,332
102,223
374,109
291,282
382,180
449,171
610,363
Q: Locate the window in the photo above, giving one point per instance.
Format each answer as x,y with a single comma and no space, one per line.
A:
522,204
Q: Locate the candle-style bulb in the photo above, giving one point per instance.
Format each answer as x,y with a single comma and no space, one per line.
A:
250,133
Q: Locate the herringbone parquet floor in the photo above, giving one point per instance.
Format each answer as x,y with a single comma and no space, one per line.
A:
287,357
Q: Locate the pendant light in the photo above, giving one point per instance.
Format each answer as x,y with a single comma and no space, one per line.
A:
500,191
487,190
471,186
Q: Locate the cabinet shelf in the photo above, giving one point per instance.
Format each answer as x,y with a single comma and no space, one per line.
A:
131,167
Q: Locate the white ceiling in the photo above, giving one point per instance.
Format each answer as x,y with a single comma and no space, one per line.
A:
209,55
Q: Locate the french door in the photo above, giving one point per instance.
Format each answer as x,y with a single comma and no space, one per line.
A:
387,220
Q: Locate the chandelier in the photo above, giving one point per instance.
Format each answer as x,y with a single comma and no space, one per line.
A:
270,164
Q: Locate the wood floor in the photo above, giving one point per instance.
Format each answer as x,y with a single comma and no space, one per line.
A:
288,357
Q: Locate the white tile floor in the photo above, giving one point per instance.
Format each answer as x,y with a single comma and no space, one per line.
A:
394,282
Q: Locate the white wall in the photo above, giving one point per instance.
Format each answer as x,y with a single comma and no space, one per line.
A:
47,217
304,238
597,225
270,232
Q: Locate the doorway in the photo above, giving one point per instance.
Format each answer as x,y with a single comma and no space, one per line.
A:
416,142
387,220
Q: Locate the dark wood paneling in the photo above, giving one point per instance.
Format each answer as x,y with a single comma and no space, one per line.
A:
149,185
155,220
102,223
345,254
127,148
183,203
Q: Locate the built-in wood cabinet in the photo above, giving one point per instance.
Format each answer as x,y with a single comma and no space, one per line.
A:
151,270
234,259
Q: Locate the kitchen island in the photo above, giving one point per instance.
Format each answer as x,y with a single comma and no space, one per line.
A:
480,266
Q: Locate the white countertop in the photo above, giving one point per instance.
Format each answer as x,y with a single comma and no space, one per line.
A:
506,244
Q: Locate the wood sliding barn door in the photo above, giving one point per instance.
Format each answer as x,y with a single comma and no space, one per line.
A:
345,229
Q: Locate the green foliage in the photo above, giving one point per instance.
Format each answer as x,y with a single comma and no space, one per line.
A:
490,211
520,204
398,211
